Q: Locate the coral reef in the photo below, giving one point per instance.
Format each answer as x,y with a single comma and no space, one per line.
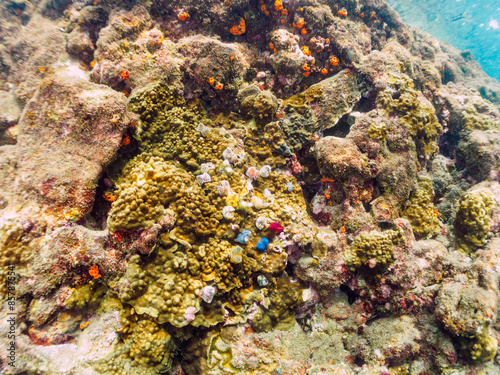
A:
420,212
244,187
149,186
472,222
372,249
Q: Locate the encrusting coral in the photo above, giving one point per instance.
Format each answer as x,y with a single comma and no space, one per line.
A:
472,222
415,113
420,212
149,185
374,249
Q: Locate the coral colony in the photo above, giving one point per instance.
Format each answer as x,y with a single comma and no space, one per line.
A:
244,187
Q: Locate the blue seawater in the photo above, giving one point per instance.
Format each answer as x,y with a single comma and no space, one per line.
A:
465,24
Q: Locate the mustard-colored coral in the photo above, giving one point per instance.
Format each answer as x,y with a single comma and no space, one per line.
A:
86,296
166,285
147,187
145,348
168,127
421,212
378,131
415,113
373,249
257,104
201,253
482,348
475,116
472,222
15,251
196,213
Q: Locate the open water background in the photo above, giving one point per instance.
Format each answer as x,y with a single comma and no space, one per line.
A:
465,24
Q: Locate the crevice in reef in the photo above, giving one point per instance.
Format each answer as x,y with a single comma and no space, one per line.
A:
96,219
448,144
106,186
365,103
340,129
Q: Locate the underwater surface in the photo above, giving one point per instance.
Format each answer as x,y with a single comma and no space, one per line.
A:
278,187
466,24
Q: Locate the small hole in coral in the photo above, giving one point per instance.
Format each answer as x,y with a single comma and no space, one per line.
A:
340,130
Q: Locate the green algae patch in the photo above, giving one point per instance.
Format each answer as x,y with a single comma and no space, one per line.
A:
421,212
472,222
303,99
298,127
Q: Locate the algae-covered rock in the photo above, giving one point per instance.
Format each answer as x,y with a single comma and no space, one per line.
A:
479,152
78,123
10,111
278,312
473,113
39,47
324,99
465,308
340,158
66,251
205,58
352,40
396,339
288,58
130,46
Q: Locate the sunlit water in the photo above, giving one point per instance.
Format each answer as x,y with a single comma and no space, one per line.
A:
466,24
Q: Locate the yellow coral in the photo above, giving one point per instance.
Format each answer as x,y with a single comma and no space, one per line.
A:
421,212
